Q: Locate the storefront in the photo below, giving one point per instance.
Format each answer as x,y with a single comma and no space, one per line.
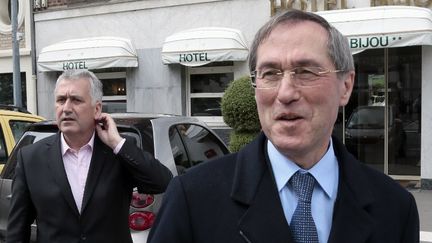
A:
382,124
187,52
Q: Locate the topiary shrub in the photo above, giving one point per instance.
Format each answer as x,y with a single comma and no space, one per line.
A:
240,139
239,111
238,105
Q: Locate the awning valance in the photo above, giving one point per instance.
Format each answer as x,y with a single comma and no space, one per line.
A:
383,27
89,53
196,47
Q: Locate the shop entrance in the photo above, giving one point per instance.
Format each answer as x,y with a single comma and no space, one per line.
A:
381,123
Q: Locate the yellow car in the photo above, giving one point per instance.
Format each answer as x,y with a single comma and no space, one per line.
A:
13,122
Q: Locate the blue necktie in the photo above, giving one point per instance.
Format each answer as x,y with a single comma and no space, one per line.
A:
302,224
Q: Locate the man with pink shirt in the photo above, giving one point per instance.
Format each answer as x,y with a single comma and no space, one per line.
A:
78,184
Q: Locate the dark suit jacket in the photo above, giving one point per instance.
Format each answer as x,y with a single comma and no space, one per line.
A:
41,191
235,199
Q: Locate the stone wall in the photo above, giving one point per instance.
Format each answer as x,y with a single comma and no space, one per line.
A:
6,40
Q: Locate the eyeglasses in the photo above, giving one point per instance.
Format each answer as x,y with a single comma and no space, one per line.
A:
270,78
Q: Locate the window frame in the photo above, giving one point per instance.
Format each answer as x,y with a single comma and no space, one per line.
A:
113,75
212,121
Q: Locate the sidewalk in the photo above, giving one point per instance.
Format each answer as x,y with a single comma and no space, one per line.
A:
424,204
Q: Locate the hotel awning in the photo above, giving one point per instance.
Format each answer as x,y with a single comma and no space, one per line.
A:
89,53
383,27
196,47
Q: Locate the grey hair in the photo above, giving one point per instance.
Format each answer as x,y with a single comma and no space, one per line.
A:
338,48
96,86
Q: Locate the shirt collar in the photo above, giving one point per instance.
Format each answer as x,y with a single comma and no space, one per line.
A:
325,172
65,147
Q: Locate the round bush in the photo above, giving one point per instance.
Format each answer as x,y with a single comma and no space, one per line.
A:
238,105
239,139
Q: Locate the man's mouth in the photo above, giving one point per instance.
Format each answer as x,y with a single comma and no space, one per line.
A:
67,119
288,117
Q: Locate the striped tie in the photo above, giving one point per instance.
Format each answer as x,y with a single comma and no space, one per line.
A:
302,224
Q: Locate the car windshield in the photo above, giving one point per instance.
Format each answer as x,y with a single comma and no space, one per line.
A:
367,117
30,137
145,129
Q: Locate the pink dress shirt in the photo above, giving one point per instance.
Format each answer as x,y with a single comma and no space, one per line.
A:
77,164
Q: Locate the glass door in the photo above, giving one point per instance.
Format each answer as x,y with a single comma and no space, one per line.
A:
404,100
382,120
364,123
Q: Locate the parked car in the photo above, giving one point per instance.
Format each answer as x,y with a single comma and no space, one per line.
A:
13,122
365,131
178,142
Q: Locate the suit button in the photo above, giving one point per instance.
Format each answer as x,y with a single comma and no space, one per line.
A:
83,237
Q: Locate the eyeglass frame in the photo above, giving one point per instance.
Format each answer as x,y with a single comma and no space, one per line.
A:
281,74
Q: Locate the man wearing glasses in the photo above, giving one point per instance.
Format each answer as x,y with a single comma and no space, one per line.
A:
294,182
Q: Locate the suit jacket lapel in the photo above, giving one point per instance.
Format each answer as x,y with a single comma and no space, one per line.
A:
254,186
351,221
58,171
100,152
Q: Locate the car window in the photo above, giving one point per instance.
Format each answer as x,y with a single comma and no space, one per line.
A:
18,128
146,130
132,137
178,150
369,117
192,144
3,151
29,138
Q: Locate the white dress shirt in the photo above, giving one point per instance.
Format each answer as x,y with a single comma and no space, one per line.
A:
326,174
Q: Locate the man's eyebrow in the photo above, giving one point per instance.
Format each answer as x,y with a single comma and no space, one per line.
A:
69,96
268,64
305,62
296,63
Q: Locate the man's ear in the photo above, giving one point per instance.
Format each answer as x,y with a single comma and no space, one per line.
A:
346,88
98,108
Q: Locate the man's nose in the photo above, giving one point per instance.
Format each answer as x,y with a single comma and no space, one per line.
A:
67,106
288,90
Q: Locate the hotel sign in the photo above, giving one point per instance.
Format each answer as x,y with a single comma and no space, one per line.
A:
199,58
74,65
193,57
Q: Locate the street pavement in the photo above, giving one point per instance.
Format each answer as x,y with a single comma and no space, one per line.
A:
424,204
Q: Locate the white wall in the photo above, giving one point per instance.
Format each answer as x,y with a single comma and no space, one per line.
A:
148,26
152,87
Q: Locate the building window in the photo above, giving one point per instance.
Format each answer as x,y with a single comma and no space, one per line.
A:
114,90
205,87
6,89
6,15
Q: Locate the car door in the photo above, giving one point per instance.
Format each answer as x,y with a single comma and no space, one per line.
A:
3,149
192,144
5,196
8,174
6,141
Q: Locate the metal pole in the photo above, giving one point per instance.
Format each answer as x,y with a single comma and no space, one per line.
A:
16,55
34,66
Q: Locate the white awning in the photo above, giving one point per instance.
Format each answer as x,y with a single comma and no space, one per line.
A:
196,47
383,27
89,53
